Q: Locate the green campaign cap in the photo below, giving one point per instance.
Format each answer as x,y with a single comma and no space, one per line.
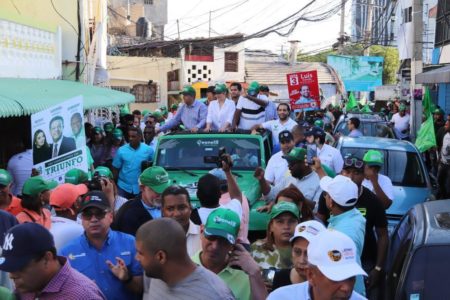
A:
188,90
223,222
124,111
117,134
253,87
98,129
75,176
155,178
296,154
318,123
220,89
156,114
145,111
174,106
108,127
163,108
36,185
438,111
402,107
103,172
282,207
373,158
5,177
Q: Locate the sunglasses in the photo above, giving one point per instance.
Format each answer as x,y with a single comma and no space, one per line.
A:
353,162
99,214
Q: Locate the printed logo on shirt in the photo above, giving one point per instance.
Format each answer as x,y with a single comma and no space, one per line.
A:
363,211
335,255
73,256
125,253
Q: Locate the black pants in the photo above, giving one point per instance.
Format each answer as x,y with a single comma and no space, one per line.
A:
443,178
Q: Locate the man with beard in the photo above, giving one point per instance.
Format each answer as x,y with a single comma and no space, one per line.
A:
164,258
277,167
276,126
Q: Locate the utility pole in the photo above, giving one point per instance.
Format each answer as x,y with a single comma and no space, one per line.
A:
209,34
178,28
341,32
368,28
416,66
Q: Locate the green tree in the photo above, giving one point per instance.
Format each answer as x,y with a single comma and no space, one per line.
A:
390,54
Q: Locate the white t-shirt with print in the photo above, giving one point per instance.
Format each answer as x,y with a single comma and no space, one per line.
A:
251,113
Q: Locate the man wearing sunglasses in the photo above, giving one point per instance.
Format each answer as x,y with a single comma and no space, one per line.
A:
104,255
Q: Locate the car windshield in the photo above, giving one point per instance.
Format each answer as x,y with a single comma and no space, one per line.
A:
403,168
427,276
377,129
191,153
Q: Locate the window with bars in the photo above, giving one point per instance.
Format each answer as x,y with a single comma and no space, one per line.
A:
148,2
231,62
443,23
145,93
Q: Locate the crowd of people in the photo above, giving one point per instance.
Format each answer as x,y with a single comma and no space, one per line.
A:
125,230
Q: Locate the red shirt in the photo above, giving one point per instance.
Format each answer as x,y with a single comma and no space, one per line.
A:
15,207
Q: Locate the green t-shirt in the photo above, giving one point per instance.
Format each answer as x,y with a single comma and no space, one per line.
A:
236,280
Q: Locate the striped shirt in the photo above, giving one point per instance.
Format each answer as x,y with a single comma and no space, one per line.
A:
251,113
67,284
201,284
190,115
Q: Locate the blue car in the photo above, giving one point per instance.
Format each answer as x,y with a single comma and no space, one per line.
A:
403,164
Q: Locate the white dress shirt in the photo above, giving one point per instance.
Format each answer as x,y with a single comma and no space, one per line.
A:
219,116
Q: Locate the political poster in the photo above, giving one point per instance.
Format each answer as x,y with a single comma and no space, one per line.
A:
58,139
359,73
303,90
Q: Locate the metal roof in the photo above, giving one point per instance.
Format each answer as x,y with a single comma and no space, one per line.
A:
20,97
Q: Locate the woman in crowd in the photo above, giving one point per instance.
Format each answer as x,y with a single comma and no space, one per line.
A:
41,149
303,234
274,252
97,146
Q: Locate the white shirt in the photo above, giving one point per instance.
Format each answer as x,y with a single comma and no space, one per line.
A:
235,205
445,150
219,116
193,241
400,124
19,166
385,184
64,231
300,291
331,157
251,113
275,126
277,168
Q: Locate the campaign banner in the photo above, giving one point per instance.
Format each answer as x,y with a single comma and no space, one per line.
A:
303,90
359,73
58,139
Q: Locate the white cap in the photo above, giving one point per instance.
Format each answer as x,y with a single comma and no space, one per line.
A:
307,230
334,253
341,189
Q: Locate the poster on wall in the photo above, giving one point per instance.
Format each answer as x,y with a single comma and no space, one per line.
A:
359,73
303,90
58,139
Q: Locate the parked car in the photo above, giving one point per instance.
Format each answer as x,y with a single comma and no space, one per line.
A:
418,259
183,156
371,124
403,164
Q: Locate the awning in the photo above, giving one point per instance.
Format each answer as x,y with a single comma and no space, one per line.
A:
438,75
21,97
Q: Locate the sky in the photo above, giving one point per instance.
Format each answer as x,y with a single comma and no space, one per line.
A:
249,16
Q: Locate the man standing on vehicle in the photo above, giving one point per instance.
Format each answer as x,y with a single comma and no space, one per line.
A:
276,126
277,167
401,122
376,182
353,127
331,271
250,110
192,114
235,92
328,155
271,108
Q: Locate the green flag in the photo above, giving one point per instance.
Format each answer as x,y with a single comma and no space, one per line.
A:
428,105
426,138
366,109
351,102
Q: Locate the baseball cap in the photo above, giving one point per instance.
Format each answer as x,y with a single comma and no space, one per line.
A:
145,112
282,207
373,158
438,111
155,178
296,154
351,161
5,177
188,90
264,88
174,106
334,254
220,89
22,244
223,222
65,195
157,114
307,230
108,127
341,189
75,176
402,107
104,172
117,134
219,173
36,185
285,136
98,129
95,199
316,132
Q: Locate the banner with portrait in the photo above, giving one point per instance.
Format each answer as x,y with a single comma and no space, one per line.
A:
58,139
303,90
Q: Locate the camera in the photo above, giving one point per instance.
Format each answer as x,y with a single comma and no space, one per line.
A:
95,184
217,160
